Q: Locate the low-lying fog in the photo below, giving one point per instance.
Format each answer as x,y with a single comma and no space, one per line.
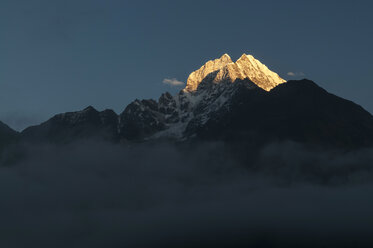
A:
160,195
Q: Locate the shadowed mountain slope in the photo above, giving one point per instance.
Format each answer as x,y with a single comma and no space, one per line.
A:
7,135
86,124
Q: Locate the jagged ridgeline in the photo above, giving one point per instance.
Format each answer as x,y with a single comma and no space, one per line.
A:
226,101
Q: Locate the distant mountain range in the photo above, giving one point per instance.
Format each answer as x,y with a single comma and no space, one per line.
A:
240,101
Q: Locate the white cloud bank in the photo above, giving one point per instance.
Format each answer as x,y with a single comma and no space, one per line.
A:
173,82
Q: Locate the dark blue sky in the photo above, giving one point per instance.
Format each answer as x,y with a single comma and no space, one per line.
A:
58,56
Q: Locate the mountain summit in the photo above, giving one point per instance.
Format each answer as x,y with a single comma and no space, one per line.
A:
224,69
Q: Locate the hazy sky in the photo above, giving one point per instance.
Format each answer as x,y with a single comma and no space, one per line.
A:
58,56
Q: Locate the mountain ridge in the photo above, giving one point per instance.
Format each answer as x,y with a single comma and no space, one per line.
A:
218,126
223,100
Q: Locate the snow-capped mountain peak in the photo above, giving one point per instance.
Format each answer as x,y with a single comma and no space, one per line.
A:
196,77
209,90
224,69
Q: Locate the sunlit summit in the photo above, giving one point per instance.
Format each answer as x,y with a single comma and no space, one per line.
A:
224,69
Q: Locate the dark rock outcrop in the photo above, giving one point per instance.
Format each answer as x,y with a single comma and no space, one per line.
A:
85,124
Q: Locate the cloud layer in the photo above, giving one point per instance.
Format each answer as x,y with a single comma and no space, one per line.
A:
163,195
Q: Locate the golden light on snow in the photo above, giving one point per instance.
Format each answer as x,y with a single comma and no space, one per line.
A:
225,69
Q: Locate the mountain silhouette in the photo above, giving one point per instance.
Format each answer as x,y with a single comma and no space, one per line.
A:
240,101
